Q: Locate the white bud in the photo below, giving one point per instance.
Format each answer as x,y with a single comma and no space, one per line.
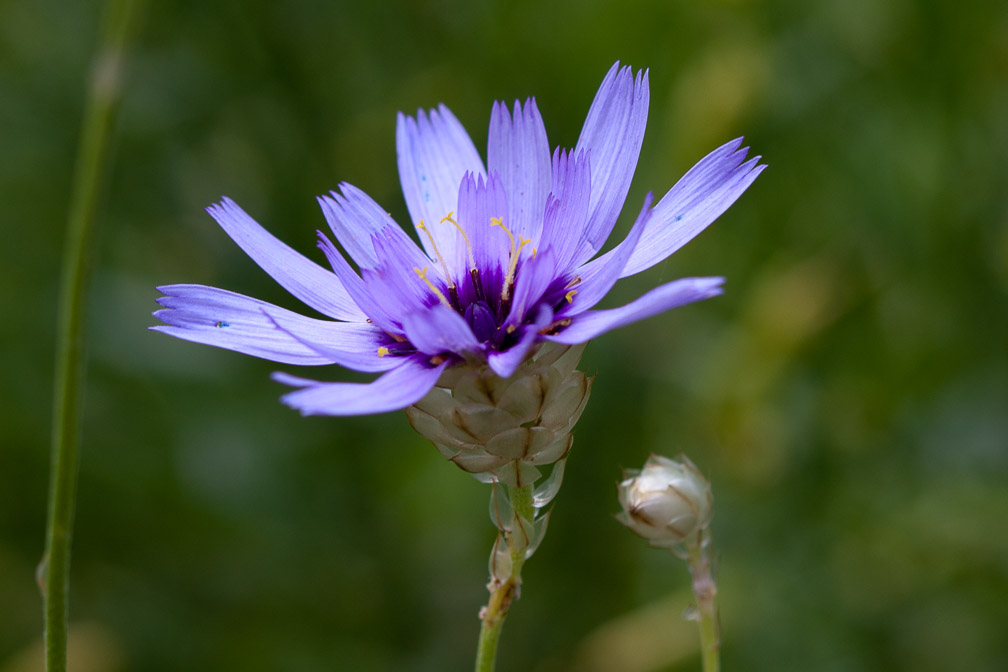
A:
667,502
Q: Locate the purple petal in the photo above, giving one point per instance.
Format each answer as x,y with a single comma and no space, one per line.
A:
235,322
303,278
360,293
397,282
599,276
505,363
434,152
587,326
397,389
533,280
567,209
696,200
481,201
438,330
517,149
613,131
354,345
354,217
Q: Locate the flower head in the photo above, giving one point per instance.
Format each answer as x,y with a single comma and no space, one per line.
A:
508,256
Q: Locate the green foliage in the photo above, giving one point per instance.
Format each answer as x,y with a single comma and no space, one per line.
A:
846,397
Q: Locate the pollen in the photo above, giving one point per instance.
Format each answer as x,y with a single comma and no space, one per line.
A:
383,351
437,292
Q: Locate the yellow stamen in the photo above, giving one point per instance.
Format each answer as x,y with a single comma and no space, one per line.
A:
570,295
382,351
437,292
472,260
444,266
513,256
534,252
498,221
551,329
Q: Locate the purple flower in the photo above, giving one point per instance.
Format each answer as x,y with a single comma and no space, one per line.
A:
508,257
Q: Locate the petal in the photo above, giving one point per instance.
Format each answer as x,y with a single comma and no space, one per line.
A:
402,282
566,213
354,345
434,152
505,363
360,293
235,322
354,217
438,330
397,389
517,149
599,276
480,202
533,279
613,131
300,276
587,326
696,200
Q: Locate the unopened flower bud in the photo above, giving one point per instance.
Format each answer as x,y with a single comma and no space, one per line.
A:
666,502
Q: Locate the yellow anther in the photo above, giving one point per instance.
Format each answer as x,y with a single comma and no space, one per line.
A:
472,260
498,221
382,351
512,257
437,292
534,252
512,267
570,295
444,266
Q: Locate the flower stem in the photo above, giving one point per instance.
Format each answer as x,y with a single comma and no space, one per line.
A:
89,171
503,595
705,593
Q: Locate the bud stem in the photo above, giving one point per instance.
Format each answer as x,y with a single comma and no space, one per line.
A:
501,596
705,593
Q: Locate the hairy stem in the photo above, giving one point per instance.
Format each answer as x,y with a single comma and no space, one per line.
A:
705,593
502,595
89,172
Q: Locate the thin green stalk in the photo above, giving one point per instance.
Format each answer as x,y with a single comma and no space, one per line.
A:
496,611
89,172
705,593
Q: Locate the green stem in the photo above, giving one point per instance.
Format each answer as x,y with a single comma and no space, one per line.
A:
502,596
705,593
89,171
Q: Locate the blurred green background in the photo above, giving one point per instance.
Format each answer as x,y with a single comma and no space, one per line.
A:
848,396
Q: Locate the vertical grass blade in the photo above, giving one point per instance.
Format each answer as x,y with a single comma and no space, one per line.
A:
103,94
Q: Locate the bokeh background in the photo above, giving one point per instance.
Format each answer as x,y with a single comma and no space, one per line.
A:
848,396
